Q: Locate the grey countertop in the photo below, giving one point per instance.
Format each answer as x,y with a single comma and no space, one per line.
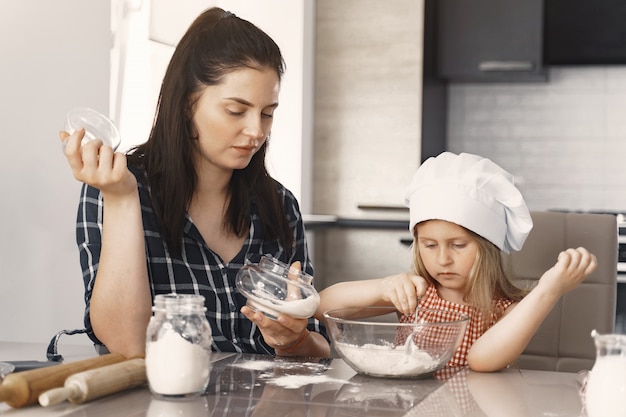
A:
258,385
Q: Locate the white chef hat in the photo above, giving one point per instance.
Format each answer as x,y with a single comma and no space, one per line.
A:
473,192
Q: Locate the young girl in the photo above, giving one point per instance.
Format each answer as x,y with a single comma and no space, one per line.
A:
465,210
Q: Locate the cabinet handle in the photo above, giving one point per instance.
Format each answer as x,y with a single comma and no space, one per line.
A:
488,66
382,207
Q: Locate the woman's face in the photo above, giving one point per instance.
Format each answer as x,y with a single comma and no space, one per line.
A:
448,252
234,118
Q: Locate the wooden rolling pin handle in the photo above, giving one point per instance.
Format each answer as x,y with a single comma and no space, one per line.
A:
23,388
96,383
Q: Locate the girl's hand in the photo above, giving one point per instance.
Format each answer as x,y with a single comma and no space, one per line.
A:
403,291
571,268
97,165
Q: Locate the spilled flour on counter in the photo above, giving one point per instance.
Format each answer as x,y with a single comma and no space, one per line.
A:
297,381
255,365
298,367
289,374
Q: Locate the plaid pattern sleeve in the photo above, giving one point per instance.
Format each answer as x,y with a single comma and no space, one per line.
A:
475,327
89,240
197,269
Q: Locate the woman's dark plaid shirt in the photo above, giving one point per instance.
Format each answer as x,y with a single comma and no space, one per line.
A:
197,270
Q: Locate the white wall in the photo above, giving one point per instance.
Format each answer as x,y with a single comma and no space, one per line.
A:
55,55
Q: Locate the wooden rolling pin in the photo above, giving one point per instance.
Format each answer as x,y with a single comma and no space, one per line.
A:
96,383
23,388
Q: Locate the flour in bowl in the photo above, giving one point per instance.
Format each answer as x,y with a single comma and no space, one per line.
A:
387,361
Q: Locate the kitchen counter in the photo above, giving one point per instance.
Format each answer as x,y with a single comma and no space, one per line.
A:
258,385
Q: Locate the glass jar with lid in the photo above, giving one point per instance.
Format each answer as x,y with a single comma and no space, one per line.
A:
178,346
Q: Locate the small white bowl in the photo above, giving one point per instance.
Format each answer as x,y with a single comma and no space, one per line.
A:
97,126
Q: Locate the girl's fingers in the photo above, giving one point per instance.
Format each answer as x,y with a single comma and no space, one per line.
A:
411,298
592,265
401,303
579,258
420,285
403,290
577,263
406,299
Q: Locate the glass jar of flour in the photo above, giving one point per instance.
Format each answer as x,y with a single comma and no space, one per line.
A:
178,346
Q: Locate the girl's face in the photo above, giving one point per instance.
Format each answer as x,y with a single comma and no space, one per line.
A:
448,252
233,119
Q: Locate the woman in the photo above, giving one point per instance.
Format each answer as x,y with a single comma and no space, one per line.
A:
185,210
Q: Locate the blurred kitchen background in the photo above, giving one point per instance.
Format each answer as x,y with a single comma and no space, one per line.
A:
372,89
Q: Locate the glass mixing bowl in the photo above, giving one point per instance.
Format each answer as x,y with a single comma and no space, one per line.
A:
373,342
274,288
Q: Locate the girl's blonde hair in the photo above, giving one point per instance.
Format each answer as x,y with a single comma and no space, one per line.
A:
487,279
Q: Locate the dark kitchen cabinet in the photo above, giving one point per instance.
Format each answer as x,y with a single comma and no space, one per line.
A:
583,32
490,40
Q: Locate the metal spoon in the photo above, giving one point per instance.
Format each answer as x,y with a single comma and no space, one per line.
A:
409,344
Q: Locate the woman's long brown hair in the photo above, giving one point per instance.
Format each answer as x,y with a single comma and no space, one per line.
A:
216,43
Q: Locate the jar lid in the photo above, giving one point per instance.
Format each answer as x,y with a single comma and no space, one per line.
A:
183,303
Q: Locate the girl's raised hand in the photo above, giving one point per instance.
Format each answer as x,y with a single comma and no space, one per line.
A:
403,291
97,165
571,268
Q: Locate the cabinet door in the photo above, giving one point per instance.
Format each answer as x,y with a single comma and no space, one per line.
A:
490,40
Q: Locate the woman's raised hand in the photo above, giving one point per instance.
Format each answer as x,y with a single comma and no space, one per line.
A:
97,165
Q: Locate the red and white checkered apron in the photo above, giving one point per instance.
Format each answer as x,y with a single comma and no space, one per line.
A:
474,330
